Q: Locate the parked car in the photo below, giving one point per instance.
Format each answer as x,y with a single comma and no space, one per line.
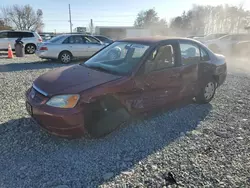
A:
209,37
96,96
226,43
104,39
69,46
30,40
45,37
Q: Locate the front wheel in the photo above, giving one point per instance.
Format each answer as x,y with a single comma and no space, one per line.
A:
104,116
206,93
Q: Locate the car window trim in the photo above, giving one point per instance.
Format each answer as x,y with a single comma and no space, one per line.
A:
98,41
201,48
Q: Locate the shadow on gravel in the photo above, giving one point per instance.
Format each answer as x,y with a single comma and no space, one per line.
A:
31,158
13,67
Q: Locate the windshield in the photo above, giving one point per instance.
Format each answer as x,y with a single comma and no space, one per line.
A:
57,38
118,58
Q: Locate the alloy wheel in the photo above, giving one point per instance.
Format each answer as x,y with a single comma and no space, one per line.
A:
30,49
65,58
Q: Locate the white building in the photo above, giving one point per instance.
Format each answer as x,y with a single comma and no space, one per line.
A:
121,32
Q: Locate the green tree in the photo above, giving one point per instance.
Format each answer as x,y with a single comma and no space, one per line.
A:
149,19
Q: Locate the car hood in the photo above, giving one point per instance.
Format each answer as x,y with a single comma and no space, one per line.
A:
71,79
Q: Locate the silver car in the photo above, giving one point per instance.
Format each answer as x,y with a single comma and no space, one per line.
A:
69,46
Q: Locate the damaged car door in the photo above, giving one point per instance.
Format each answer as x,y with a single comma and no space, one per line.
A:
159,82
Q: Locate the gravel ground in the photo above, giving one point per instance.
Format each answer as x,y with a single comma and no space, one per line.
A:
201,145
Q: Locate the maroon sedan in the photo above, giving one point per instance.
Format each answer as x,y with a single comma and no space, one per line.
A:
127,77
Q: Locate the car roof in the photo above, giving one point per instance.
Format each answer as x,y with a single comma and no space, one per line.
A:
69,34
100,36
153,40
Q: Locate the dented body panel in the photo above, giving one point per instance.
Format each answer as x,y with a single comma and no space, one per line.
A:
137,92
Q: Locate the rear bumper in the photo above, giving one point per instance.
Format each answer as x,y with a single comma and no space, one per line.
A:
221,78
45,55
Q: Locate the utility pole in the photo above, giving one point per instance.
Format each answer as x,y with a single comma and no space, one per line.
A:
91,27
70,22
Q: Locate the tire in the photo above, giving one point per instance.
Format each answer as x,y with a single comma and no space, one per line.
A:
104,116
207,92
65,57
30,49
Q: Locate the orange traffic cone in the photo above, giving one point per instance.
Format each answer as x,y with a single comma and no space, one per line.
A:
10,53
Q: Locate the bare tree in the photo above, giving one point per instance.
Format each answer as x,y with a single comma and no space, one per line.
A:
211,19
3,26
23,17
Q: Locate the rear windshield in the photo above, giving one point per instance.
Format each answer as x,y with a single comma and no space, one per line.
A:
56,39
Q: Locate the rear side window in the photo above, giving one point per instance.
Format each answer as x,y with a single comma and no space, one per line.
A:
27,34
190,53
91,40
14,35
74,40
3,35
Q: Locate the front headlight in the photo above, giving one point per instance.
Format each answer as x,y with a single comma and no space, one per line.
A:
63,101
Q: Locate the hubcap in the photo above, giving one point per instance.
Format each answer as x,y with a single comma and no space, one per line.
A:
209,90
65,58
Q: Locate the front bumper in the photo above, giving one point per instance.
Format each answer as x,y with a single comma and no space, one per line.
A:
60,122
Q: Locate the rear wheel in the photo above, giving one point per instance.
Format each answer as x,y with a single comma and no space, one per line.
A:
207,92
104,116
30,49
65,57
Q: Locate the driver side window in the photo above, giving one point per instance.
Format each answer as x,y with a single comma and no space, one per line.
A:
161,58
